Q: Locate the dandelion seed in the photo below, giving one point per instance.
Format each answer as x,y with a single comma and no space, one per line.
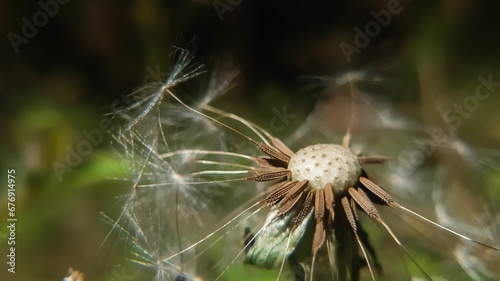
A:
149,98
150,247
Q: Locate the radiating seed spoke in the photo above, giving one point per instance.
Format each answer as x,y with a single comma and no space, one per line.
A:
296,189
377,190
278,191
287,205
271,151
319,205
269,174
319,237
354,209
349,215
330,201
371,159
304,210
364,203
282,147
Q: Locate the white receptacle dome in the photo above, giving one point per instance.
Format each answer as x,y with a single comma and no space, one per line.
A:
323,164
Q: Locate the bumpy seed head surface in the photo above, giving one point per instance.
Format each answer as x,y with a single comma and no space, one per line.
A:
323,164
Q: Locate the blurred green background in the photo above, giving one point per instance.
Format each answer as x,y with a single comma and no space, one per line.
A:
64,78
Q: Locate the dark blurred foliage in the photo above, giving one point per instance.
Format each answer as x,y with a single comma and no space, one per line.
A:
90,53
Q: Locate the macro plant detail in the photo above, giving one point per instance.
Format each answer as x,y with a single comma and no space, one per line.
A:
189,164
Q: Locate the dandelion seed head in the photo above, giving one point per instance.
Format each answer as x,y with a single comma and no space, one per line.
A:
192,164
323,164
